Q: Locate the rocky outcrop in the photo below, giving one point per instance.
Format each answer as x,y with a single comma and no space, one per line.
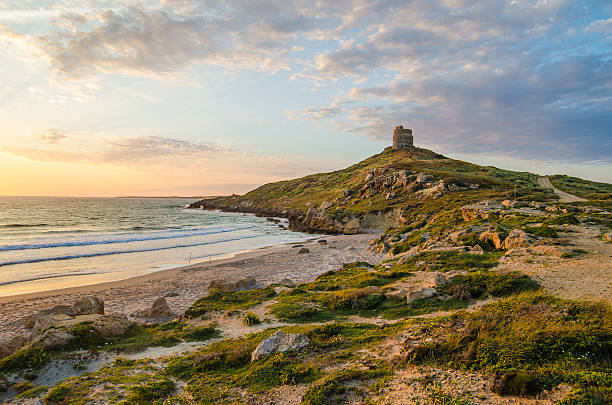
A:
11,344
517,239
106,325
476,250
420,294
84,306
88,305
316,220
247,283
53,337
31,320
280,342
491,237
352,227
482,209
437,280
385,180
160,308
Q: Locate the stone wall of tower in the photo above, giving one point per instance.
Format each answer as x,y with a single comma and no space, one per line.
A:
402,138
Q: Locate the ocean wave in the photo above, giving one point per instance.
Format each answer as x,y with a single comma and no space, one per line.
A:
174,234
45,278
118,252
22,225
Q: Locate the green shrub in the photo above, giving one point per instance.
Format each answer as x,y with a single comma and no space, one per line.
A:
33,392
57,394
331,389
477,284
151,391
26,358
354,299
533,340
23,386
250,319
567,219
278,369
218,300
451,261
542,231
201,334
518,384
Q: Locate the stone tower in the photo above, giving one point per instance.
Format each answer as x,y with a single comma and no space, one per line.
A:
402,138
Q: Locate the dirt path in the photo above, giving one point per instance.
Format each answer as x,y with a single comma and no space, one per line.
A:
563,196
586,275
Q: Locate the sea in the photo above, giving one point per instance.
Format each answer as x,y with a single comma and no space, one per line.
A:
52,242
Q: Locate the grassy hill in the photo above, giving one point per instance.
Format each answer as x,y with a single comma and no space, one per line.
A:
296,194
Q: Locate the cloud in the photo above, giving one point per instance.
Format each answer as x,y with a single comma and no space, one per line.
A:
525,79
604,26
146,151
52,135
311,114
165,40
478,77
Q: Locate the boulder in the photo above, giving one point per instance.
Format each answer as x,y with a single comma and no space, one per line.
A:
352,227
606,237
106,325
111,325
45,321
437,280
491,237
509,203
423,178
31,320
88,305
325,205
421,294
11,344
517,239
482,209
304,250
407,255
247,283
159,308
476,250
279,342
53,337
287,282
399,293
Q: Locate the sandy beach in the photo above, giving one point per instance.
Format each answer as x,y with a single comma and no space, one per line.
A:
184,285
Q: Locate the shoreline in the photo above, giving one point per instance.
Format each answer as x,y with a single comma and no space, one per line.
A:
181,286
220,259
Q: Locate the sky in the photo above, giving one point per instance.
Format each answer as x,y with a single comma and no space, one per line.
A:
210,97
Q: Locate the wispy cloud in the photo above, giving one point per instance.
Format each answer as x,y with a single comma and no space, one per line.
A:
52,135
138,151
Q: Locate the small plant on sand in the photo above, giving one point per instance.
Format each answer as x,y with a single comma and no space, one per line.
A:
250,319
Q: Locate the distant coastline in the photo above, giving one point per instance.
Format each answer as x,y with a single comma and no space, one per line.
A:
172,197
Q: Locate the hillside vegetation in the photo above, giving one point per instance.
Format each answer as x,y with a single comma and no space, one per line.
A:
393,183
